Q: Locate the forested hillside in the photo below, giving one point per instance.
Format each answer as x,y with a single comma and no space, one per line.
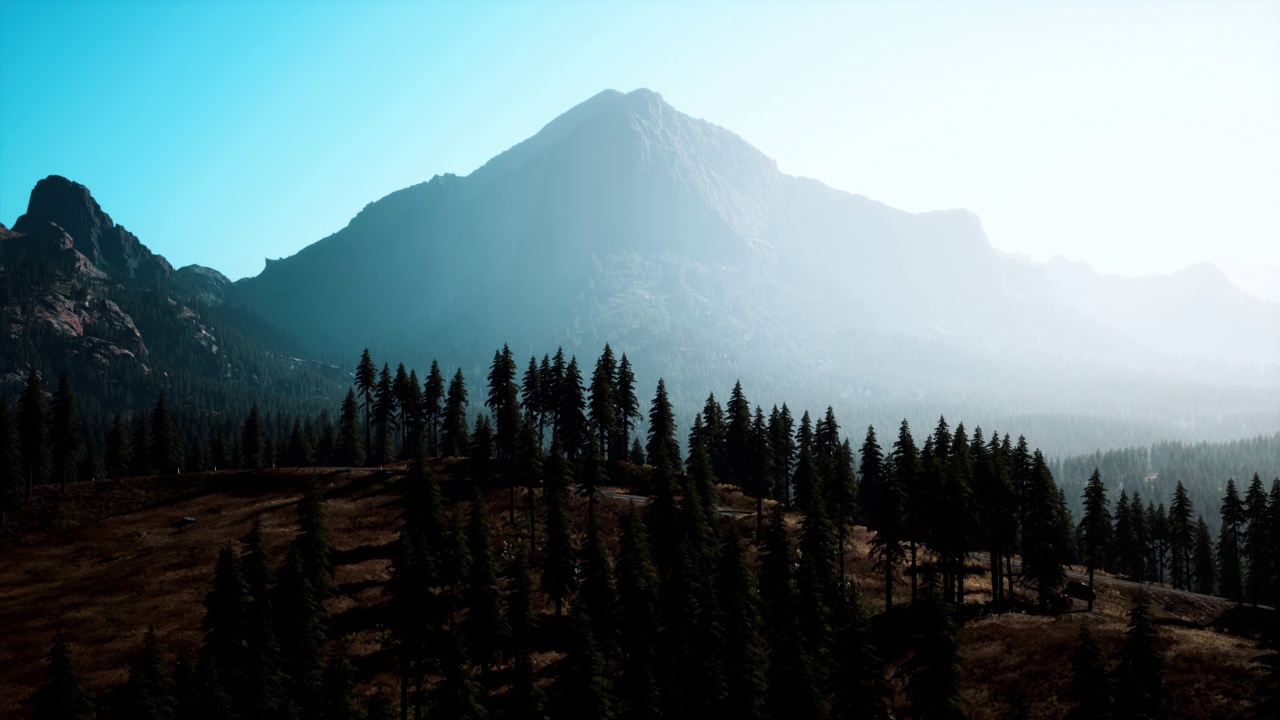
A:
770,569
1203,469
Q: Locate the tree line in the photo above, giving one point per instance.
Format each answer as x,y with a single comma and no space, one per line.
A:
690,613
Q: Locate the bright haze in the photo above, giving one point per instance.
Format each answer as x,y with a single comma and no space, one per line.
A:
1137,137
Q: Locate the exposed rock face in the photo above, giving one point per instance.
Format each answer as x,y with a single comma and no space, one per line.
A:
63,263
110,247
202,284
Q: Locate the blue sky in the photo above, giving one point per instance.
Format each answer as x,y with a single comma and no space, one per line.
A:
1139,137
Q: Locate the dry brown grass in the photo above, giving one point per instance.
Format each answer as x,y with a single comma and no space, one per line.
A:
104,581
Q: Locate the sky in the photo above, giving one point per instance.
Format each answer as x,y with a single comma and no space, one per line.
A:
1138,137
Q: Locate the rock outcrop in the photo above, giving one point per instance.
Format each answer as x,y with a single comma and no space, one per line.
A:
109,246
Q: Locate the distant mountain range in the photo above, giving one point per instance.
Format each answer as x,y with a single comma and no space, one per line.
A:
626,221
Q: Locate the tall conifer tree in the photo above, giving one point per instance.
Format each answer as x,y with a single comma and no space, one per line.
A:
64,431
33,436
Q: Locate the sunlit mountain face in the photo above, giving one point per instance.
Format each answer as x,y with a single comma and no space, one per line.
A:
629,222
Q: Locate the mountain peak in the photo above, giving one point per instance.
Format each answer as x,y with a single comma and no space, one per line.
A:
71,207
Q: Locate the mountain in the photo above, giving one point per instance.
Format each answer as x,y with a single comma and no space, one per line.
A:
81,294
624,220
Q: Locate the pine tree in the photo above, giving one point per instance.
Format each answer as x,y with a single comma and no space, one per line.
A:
457,696
626,408
64,432
141,442
384,413
378,706
416,570
226,622
313,540
601,403
1257,542
1001,503
591,477
525,700
504,403
118,451
858,678
662,448
737,439
637,595
298,451
221,451
597,594
432,395
1157,540
350,448
784,452
166,444
662,517
572,417
366,382
529,469
1095,526
932,673
482,448
806,478
882,502
33,437
62,696
760,462
532,395
151,693
558,568
264,692
521,617
10,463
906,475
793,691
690,642
454,440
1205,565
816,582
253,446
738,603
953,527
484,626
402,418
1045,538
842,494
411,416
302,627
1124,536
709,432
1142,665
1090,688
340,687
1181,537
1231,580
585,692
197,458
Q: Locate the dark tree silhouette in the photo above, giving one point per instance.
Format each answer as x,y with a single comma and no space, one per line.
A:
1095,526
64,431
62,695
1090,688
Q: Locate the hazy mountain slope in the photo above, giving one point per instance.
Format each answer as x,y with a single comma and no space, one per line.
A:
1194,312
626,221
